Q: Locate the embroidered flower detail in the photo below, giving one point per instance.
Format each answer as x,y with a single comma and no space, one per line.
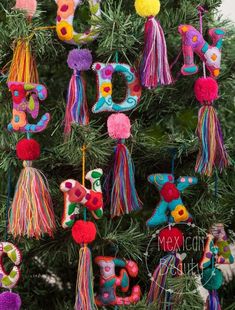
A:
106,89
19,119
169,192
106,73
193,38
66,8
180,214
213,57
135,89
64,31
18,93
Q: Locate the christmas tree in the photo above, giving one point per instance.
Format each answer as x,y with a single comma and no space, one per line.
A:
163,141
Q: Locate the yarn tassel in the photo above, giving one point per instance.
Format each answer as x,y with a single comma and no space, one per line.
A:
77,109
212,152
157,289
31,212
85,296
213,302
23,66
154,67
124,198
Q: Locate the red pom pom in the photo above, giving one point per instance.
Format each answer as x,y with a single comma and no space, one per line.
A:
83,232
206,90
170,239
28,149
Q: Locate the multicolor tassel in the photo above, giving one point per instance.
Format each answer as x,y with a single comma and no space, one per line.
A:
31,212
212,152
85,296
23,66
213,302
77,108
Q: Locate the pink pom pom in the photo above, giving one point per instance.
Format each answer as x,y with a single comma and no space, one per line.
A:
206,90
29,6
119,126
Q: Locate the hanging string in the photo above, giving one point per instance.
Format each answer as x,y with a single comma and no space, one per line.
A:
116,57
83,149
173,152
8,202
201,11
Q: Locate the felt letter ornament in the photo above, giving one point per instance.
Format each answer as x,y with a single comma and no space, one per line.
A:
193,42
170,193
26,97
109,281
9,280
75,193
65,17
105,102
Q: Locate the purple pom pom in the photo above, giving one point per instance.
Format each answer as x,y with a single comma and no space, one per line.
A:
80,60
9,301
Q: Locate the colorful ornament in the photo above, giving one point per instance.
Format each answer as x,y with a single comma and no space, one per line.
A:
26,98
105,73
193,42
109,281
65,17
84,233
170,199
28,6
124,197
170,240
9,280
154,68
75,193
31,212
212,152
77,109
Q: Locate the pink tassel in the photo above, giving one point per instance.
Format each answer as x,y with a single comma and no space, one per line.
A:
155,69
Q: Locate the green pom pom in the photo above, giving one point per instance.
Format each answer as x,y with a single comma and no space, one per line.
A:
212,279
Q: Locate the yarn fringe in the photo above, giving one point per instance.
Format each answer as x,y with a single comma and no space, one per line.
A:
155,69
23,66
77,109
212,152
31,213
213,302
85,299
124,197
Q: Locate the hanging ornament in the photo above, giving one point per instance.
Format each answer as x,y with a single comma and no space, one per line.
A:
83,234
9,300
27,6
105,73
170,240
65,17
170,199
193,42
124,198
109,281
75,193
154,68
77,109
212,152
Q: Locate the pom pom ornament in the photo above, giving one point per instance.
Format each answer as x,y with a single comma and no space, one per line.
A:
28,149
109,281
65,17
124,197
170,239
77,109
212,152
84,232
10,301
75,193
193,42
154,68
170,199
105,73
28,6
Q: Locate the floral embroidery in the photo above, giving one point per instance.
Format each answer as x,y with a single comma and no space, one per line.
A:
66,8
169,192
180,214
19,119
18,93
106,73
64,31
106,89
